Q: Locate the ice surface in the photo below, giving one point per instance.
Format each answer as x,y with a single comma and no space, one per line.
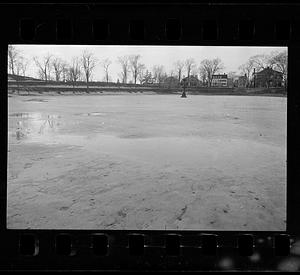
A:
147,162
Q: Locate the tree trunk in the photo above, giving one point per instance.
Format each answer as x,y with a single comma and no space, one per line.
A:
18,87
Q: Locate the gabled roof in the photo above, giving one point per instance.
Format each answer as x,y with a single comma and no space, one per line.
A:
191,77
171,78
268,69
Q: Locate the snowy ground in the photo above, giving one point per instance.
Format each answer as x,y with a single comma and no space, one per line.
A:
147,162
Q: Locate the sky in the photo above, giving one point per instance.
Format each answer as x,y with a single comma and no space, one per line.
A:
232,57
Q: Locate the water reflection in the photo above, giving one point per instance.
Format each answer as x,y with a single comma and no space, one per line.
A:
48,122
33,125
19,131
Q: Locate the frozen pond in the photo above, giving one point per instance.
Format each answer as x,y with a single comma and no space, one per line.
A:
147,162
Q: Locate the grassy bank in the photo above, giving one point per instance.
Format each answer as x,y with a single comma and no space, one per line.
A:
23,88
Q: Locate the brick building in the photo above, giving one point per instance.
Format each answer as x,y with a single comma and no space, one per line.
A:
192,81
267,78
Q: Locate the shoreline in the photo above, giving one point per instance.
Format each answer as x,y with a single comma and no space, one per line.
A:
145,93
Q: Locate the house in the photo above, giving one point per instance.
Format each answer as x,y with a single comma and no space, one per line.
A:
171,81
232,82
243,81
219,80
267,78
191,81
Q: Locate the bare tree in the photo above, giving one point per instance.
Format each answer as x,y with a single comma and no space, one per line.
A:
203,74
158,73
279,61
13,54
88,63
194,71
231,77
135,66
232,74
75,70
21,65
106,63
125,64
189,65
260,61
141,72
44,66
211,67
179,65
141,77
24,65
65,72
246,69
18,67
58,66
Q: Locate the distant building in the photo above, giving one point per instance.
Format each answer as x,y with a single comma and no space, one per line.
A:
232,82
267,78
192,81
243,81
219,80
171,81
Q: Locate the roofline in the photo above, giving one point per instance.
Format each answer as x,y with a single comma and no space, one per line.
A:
269,69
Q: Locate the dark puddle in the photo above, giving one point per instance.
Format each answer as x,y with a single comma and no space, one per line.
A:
91,114
26,115
100,113
33,116
231,117
36,100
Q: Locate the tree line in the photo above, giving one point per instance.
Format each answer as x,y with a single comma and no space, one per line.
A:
132,70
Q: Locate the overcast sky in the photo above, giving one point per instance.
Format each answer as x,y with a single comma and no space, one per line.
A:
232,57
